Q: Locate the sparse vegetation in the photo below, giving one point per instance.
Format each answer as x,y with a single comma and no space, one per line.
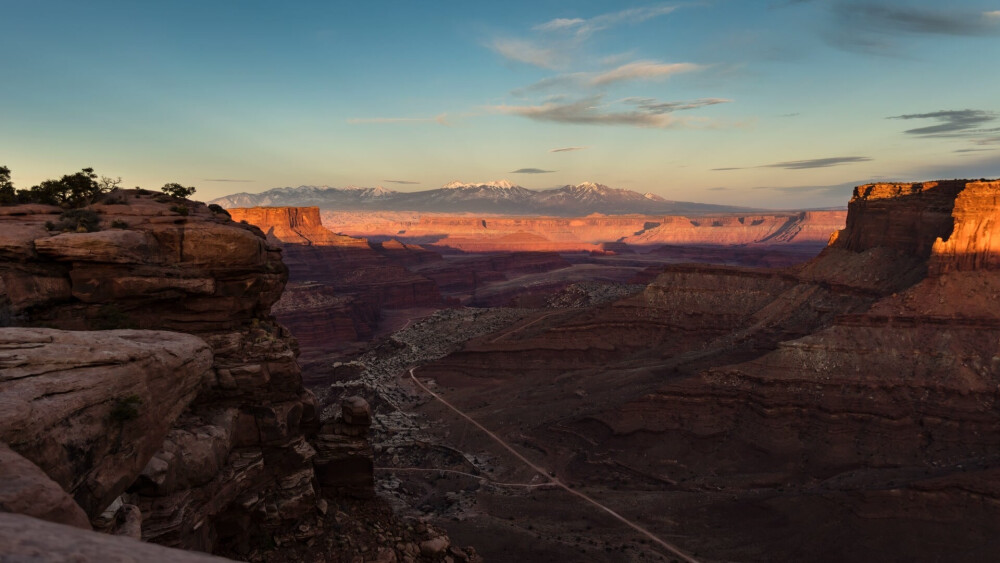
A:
71,191
126,408
176,190
180,209
76,221
119,224
7,193
218,209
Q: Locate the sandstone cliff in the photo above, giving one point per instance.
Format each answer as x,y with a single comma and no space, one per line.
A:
560,234
207,435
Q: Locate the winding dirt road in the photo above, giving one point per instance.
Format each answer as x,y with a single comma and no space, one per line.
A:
555,480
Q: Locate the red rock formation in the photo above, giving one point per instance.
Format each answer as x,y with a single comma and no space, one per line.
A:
71,399
236,460
559,234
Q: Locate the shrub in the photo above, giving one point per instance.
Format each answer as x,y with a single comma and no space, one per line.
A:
119,224
72,190
126,408
177,190
76,221
216,208
180,209
7,194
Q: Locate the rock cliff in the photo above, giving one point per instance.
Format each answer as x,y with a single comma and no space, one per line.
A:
147,391
562,234
205,434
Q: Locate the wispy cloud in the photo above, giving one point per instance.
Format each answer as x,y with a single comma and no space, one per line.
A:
583,27
634,71
641,70
653,105
804,164
568,149
224,180
951,123
530,52
555,41
888,17
441,119
530,171
592,111
407,182
874,26
560,24
818,162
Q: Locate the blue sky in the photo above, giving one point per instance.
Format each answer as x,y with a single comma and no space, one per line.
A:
767,103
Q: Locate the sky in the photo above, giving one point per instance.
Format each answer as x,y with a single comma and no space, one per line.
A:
769,103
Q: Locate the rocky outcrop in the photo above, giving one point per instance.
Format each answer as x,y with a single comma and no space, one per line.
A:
91,408
344,463
23,538
207,436
26,489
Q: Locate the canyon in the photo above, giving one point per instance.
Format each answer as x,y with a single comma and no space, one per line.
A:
356,276
814,385
841,407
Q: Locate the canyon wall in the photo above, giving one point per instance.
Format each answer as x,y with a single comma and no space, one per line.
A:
475,233
206,435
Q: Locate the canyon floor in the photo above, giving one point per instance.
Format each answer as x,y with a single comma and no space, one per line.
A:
734,390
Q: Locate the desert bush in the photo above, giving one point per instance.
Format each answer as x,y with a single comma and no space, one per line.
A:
216,208
119,224
180,209
76,221
176,190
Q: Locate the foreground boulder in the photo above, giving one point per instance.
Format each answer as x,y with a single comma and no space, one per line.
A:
26,489
91,408
23,538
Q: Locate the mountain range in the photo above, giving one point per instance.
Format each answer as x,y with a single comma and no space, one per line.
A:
499,197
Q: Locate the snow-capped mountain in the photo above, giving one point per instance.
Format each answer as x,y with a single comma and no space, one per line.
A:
499,197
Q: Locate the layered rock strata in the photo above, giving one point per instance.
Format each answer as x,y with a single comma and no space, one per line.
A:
207,436
480,233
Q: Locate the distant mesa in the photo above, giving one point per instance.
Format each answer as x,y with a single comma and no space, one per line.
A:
496,197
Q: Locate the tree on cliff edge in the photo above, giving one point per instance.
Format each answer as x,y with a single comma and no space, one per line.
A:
177,190
7,194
